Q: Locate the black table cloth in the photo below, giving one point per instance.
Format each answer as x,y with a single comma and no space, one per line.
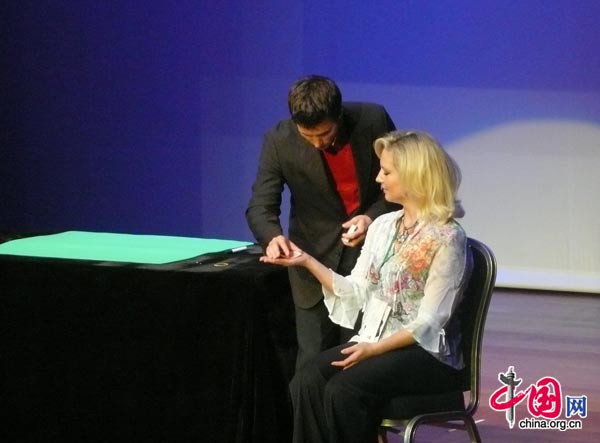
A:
185,352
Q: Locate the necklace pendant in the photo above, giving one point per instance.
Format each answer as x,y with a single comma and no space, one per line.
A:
403,236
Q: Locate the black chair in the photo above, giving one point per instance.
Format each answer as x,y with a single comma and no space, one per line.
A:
448,409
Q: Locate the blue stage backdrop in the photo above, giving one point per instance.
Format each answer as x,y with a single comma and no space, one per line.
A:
134,117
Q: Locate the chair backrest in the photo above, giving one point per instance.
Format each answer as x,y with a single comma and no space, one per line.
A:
473,313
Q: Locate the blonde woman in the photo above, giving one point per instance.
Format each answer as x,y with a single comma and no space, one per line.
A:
408,281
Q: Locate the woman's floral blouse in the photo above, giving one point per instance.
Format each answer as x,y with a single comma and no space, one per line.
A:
422,281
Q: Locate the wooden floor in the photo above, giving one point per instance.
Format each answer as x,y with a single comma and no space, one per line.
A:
540,334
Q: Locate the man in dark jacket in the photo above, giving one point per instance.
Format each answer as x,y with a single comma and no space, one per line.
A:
324,154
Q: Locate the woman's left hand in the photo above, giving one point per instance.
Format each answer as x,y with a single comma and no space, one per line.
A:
355,353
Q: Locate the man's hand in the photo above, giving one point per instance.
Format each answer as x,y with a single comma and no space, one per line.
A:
358,235
279,247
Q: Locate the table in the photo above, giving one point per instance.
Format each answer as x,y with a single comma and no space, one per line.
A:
103,351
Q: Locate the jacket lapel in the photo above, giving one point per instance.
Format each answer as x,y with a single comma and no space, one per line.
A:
316,168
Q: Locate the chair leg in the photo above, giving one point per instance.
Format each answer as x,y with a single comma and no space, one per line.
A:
409,432
469,426
472,429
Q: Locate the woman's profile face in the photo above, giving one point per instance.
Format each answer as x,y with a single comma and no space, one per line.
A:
391,185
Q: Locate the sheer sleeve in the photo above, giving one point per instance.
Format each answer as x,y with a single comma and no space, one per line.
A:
350,293
442,293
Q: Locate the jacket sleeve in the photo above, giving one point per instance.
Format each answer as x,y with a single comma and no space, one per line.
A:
264,208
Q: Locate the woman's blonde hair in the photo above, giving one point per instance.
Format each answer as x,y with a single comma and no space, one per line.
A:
431,176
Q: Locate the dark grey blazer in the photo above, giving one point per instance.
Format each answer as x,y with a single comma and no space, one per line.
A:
316,209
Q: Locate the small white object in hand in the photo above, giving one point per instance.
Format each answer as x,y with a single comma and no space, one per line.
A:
351,230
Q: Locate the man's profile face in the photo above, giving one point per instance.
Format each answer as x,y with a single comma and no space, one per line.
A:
322,136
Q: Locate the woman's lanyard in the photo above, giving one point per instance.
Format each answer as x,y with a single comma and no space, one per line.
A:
374,273
388,253
377,310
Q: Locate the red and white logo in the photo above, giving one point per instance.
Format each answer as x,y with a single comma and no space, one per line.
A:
544,403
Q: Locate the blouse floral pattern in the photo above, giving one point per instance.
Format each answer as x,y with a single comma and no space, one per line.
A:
422,282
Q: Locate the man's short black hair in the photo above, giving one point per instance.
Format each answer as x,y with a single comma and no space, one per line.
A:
313,100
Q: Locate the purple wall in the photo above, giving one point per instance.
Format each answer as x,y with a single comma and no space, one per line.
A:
148,118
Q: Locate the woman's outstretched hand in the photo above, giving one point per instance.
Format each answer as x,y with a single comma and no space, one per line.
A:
295,257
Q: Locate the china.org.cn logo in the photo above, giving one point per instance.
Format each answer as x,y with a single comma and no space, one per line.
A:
544,403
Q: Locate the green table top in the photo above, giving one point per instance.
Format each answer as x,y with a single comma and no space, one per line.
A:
101,246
